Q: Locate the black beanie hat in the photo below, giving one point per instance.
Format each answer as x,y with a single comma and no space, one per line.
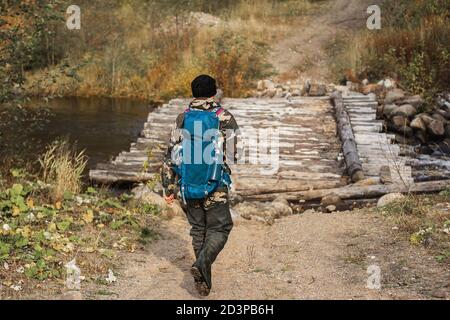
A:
204,86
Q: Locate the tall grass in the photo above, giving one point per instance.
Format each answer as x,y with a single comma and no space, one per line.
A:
412,46
62,168
150,52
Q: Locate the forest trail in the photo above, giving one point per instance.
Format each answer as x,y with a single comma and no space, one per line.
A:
308,256
303,52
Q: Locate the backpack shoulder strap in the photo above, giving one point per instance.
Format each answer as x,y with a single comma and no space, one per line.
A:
219,111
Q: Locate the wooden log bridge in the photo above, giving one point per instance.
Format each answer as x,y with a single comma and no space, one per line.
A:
311,133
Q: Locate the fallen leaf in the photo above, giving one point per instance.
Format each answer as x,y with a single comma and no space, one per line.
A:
51,227
16,211
88,217
111,277
30,203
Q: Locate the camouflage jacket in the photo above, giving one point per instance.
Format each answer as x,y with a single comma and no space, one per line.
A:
229,131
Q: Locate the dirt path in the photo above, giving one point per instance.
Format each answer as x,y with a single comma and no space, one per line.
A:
303,52
308,256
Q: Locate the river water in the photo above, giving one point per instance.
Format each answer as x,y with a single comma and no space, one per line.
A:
102,127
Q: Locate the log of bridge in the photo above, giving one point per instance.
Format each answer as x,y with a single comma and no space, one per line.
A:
349,149
357,192
307,145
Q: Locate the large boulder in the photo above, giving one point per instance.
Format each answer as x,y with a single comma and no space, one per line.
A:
426,118
443,113
438,116
389,198
436,128
406,110
388,109
400,124
400,121
394,95
418,124
416,101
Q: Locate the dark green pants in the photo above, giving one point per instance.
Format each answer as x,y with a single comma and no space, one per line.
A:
211,224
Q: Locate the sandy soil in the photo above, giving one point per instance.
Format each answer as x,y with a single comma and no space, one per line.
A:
308,256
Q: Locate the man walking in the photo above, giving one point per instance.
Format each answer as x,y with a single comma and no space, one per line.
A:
195,170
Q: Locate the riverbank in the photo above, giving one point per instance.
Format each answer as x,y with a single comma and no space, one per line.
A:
56,232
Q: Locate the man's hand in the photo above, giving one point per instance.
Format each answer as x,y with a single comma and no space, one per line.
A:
169,199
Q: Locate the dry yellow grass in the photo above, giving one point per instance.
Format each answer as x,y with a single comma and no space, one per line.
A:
62,169
138,58
413,46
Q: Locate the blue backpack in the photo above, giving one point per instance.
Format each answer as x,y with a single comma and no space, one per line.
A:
199,162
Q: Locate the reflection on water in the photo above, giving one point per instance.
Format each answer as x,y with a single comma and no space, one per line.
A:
102,126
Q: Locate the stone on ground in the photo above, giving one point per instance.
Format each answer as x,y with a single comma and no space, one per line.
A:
416,101
394,95
144,194
264,211
418,124
436,128
406,110
389,198
388,109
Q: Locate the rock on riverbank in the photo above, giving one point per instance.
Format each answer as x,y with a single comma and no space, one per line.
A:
270,89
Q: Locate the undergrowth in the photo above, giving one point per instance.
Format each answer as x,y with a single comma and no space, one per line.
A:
424,220
41,232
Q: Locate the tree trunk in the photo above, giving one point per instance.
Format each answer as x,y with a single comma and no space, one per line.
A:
349,149
356,192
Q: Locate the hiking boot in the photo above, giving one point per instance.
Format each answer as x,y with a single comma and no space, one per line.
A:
200,283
